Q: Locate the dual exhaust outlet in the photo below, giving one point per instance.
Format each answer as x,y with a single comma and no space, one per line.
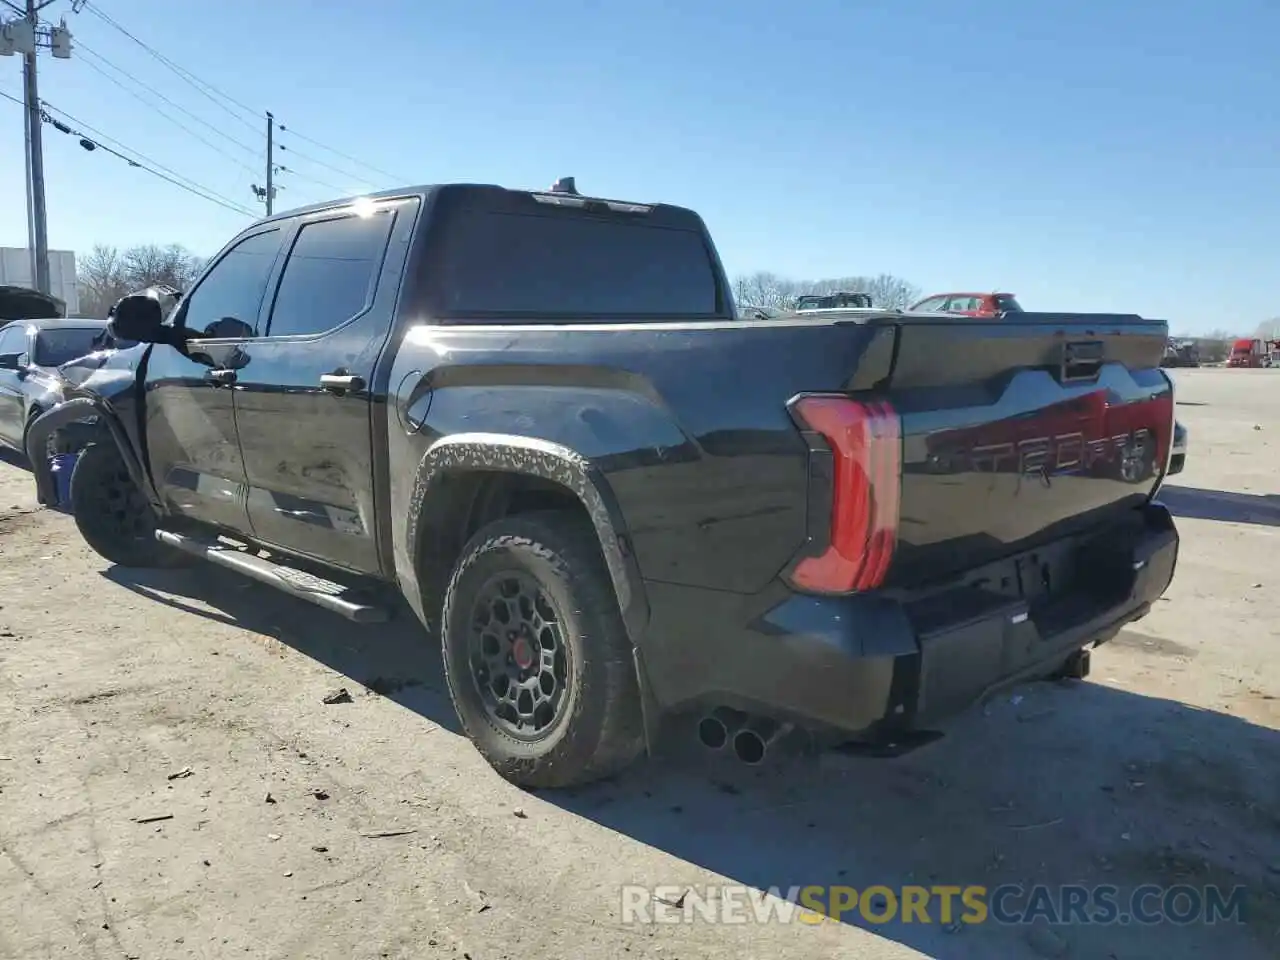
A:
747,736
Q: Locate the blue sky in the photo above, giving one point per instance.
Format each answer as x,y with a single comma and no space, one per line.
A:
1086,156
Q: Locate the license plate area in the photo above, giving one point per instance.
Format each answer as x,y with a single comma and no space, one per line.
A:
1024,612
1060,583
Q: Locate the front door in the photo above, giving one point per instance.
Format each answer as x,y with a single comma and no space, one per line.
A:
13,339
191,430
303,398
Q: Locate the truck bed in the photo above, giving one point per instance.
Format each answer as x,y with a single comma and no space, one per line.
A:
1005,439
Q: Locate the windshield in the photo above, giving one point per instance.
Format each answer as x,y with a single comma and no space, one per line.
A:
55,347
1007,304
103,341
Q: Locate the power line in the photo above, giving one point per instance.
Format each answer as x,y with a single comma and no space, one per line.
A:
338,153
281,168
190,186
328,166
104,138
177,123
207,89
150,166
257,153
222,99
196,190
81,46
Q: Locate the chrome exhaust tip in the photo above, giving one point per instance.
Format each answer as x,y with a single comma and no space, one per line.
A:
751,743
717,728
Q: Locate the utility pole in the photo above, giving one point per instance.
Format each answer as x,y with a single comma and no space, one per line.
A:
26,157
26,36
267,194
271,192
38,237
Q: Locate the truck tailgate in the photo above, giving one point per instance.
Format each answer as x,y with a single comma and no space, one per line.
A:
1022,430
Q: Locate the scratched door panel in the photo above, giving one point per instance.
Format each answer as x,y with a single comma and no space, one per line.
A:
190,409
308,444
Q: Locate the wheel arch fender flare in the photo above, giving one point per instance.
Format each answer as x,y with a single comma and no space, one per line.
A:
45,425
548,461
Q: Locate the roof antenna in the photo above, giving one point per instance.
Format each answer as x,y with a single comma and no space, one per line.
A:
565,185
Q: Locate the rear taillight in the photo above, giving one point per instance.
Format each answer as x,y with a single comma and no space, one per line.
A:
865,442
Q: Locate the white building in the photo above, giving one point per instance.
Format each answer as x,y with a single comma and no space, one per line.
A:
15,270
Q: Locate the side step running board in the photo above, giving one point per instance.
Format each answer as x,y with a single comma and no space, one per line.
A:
298,583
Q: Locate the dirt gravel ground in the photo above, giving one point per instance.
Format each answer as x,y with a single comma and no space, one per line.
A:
192,696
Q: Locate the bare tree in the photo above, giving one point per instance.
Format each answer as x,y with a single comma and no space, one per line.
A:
764,290
1269,329
102,280
106,274
1215,346
174,266
770,290
891,293
887,291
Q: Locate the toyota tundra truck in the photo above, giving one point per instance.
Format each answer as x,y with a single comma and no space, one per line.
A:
537,418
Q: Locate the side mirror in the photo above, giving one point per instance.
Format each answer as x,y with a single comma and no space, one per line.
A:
228,328
138,317
11,361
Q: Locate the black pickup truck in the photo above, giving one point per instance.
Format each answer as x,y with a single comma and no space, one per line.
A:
538,417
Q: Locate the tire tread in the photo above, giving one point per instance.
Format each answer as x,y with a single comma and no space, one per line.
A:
566,542
93,467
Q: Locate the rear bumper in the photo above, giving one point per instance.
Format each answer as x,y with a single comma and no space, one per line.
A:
878,663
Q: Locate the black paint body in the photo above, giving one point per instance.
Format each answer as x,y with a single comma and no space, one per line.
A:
675,439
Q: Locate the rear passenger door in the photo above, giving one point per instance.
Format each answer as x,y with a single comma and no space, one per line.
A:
304,396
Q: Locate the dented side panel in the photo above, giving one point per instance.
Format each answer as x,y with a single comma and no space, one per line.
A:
662,421
106,391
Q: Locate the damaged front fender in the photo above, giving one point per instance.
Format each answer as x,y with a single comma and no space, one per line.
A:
106,394
38,434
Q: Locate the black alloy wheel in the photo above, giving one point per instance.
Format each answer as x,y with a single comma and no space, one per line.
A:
537,659
519,660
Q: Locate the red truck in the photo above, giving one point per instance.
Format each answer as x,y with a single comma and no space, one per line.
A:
1099,434
1247,352
1096,434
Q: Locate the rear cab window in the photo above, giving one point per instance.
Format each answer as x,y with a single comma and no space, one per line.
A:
331,273
506,254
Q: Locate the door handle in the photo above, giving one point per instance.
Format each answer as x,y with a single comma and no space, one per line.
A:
221,376
341,382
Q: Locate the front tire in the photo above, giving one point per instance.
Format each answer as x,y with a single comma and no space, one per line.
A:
536,656
112,514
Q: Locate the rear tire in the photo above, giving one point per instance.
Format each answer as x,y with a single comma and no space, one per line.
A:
112,514
568,711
